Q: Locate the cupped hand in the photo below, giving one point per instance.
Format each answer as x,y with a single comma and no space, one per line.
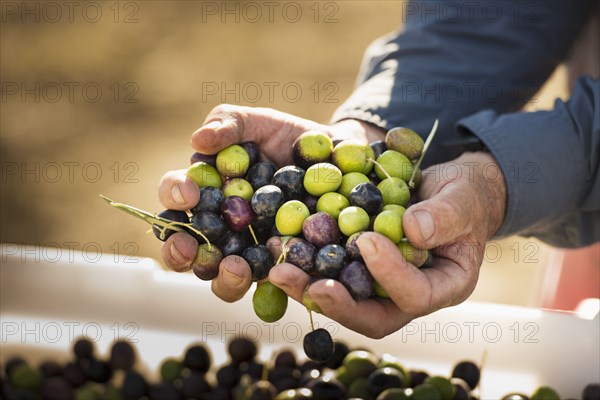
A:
274,132
457,214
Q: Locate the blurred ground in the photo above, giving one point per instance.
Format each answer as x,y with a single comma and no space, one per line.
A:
103,99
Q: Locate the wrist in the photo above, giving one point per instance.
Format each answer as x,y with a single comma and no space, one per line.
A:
493,190
356,129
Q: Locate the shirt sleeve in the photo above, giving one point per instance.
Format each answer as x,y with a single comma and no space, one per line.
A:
456,58
473,65
551,165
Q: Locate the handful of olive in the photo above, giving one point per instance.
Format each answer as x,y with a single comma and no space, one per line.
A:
332,195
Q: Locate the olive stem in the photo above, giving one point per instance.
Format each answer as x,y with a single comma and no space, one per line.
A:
411,182
284,240
483,360
191,227
312,325
253,234
380,167
281,258
162,223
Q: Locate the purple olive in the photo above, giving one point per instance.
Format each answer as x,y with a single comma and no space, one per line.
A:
237,213
302,255
212,160
321,229
358,280
252,150
352,248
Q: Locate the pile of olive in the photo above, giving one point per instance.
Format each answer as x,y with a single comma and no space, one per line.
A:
348,374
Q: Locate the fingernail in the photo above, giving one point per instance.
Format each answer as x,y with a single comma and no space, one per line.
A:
231,279
366,246
177,256
212,125
176,195
426,224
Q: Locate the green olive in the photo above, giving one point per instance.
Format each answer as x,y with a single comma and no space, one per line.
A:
269,302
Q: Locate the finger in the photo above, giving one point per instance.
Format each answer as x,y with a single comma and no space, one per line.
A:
234,279
451,282
419,291
407,286
228,124
178,192
274,244
440,219
224,126
431,182
291,279
178,251
373,318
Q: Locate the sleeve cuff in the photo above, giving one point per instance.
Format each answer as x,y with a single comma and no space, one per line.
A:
538,154
361,115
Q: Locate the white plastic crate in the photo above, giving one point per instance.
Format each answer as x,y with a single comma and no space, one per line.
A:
49,296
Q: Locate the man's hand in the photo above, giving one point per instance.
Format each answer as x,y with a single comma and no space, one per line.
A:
458,213
274,132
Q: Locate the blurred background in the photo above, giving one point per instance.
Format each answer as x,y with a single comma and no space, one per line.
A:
102,99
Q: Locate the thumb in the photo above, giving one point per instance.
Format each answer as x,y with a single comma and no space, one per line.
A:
223,127
440,219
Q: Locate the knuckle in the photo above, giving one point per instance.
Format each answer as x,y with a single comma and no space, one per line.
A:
447,209
166,179
412,308
223,108
416,307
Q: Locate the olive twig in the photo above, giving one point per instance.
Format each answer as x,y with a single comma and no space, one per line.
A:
411,182
483,360
280,259
380,167
196,231
312,325
284,249
162,223
253,234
